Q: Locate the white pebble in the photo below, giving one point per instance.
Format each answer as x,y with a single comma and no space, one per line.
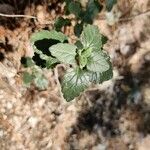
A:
33,121
41,102
9,105
1,133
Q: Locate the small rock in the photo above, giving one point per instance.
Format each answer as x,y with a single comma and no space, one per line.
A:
33,121
9,105
100,147
1,133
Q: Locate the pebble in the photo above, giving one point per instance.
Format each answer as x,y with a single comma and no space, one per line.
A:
100,147
71,108
125,49
41,102
9,105
33,121
1,133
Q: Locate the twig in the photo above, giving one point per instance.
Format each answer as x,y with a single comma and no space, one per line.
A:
101,18
18,16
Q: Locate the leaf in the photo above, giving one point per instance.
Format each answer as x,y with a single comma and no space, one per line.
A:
41,82
98,62
104,39
66,9
87,52
82,61
74,82
92,9
104,76
64,52
79,44
51,62
110,4
97,78
91,37
45,34
27,78
60,22
94,77
78,29
75,8
83,57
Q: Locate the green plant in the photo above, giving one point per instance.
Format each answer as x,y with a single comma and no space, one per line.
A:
89,62
110,4
83,15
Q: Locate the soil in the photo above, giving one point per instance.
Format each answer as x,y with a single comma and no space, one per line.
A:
112,116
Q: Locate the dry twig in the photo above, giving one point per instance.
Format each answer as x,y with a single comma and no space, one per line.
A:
101,18
17,16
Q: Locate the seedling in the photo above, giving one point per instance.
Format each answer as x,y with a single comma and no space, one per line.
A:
88,62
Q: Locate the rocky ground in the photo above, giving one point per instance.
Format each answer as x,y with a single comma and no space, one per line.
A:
112,116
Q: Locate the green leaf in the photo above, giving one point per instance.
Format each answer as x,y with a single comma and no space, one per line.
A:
110,4
104,39
92,9
91,37
82,61
87,52
75,8
98,62
75,81
78,29
45,34
27,78
97,77
60,22
51,62
64,52
41,82
83,57
79,44
104,76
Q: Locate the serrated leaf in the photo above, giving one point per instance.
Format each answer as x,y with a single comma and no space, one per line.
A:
94,77
45,34
97,77
91,37
41,82
64,52
98,62
104,76
75,8
74,82
27,78
60,22
110,4
51,62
